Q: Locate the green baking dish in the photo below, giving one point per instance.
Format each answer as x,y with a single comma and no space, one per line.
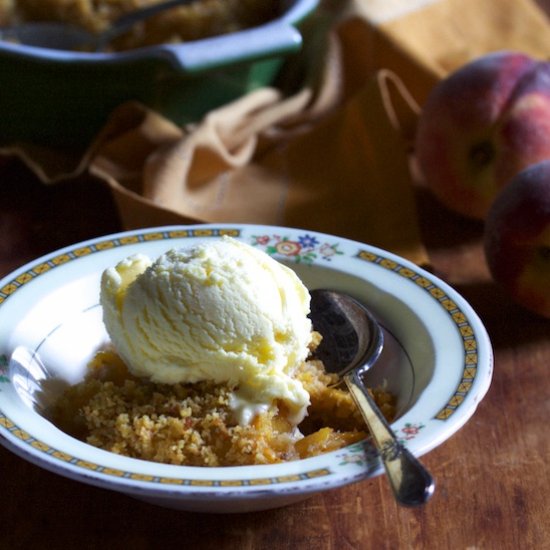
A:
61,98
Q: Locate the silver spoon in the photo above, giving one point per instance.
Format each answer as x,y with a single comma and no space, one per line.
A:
62,36
352,342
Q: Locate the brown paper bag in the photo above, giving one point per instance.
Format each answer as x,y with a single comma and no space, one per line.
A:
424,40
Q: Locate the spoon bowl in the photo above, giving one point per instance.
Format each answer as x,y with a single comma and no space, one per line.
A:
352,342
352,338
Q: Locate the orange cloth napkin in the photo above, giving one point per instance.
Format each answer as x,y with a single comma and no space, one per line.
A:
242,164
334,153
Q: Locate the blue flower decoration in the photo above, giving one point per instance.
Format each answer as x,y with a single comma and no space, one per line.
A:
307,241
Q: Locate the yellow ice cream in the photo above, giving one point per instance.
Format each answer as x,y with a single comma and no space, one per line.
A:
222,311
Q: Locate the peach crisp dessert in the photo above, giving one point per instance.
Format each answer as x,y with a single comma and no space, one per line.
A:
212,364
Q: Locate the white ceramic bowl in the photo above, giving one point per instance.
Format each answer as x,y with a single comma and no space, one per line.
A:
438,362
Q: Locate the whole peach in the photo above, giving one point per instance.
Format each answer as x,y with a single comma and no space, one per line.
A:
481,125
517,238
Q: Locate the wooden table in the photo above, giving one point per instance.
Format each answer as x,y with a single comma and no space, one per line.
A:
493,480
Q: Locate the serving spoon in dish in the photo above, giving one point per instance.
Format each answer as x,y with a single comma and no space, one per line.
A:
352,342
63,36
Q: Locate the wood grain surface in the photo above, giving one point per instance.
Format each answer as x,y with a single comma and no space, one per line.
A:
492,476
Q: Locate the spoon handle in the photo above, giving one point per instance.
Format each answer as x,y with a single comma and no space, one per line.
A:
125,22
411,483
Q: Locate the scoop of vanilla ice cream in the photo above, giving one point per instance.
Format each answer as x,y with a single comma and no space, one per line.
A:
222,311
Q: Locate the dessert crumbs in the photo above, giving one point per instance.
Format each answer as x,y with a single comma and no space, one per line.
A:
192,424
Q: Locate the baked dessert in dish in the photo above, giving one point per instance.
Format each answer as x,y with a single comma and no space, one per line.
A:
211,363
197,20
